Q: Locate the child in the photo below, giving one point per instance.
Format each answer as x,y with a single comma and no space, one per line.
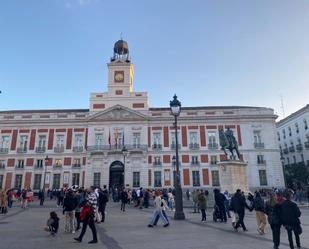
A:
52,224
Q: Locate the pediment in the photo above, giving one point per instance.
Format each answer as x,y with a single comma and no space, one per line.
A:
118,113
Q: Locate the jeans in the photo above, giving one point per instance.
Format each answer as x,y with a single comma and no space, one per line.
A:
158,212
240,221
41,202
195,206
203,214
123,206
158,216
89,221
222,213
275,228
77,217
290,237
102,211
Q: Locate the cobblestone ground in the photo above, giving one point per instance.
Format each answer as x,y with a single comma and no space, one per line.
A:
23,229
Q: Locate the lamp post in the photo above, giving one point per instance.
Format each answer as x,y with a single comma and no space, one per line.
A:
175,106
125,153
283,170
45,169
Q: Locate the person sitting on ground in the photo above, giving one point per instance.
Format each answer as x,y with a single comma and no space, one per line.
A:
52,224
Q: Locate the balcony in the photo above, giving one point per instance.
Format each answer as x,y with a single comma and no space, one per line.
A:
21,150
19,167
307,145
76,165
116,148
173,146
158,163
157,146
213,162
38,167
194,146
40,149
59,149
291,149
299,147
285,151
259,145
213,146
78,149
195,163
4,150
57,166
261,162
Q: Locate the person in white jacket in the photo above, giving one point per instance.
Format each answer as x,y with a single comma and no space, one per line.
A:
159,205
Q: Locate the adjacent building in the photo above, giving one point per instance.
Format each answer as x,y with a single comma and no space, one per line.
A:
122,141
293,137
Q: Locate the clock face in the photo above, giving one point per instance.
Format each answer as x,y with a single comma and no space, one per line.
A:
119,76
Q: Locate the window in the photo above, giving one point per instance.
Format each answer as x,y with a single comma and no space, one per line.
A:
215,178
193,138
136,181
257,137
75,179
1,181
60,141
20,163
305,124
260,159
2,164
213,159
23,142
283,133
263,177
99,139
58,162
42,141
37,181
278,135
294,159
157,160
78,140
76,162
296,128
4,142
290,131
173,141
39,163
118,139
97,179
157,179
196,178
288,159
195,160
157,138
18,181
212,141
56,181
302,157
136,140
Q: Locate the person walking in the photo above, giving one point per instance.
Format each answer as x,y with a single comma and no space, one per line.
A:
158,210
124,199
102,202
79,199
227,203
188,194
69,205
23,198
272,209
195,201
202,203
259,207
41,197
146,198
289,216
87,216
220,200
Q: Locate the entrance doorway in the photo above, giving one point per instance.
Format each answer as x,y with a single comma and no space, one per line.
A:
116,175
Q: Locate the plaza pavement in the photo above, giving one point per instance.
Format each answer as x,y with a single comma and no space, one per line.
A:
23,229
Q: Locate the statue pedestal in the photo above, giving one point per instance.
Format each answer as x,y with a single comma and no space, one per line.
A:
233,176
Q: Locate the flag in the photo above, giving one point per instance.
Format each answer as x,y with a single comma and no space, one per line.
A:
109,138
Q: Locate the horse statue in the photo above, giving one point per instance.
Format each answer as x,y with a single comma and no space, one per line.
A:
228,141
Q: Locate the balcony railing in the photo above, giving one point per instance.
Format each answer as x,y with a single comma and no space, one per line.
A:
299,147
76,165
213,146
21,150
78,148
57,166
38,166
195,163
40,149
59,149
194,146
286,151
173,146
157,146
292,149
213,162
4,150
157,163
19,167
261,162
307,145
98,148
259,145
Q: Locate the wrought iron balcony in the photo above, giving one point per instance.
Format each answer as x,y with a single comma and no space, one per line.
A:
259,145
157,163
157,146
4,150
78,148
213,146
261,162
38,166
57,166
197,163
285,151
40,149
129,147
59,149
76,165
21,150
213,162
194,146
19,167
307,145
299,147
292,149
173,146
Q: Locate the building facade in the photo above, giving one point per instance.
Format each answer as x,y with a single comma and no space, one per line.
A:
120,140
293,137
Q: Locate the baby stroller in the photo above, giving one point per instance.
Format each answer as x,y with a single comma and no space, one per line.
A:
216,215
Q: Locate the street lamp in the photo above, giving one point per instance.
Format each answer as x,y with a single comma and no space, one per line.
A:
46,161
175,106
125,153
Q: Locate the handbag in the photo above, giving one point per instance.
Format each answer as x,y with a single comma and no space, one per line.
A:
298,229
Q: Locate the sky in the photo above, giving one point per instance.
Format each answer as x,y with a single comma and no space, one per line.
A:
54,53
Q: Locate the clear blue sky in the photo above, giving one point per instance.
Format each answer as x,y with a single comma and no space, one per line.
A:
53,53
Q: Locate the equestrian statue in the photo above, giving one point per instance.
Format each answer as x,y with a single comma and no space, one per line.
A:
228,142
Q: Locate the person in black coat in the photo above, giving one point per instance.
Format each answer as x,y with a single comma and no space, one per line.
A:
124,199
41,197
220,200
289,216
102,201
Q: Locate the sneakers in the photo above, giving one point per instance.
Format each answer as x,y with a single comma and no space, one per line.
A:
150,225
78,240
166,225
73,232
